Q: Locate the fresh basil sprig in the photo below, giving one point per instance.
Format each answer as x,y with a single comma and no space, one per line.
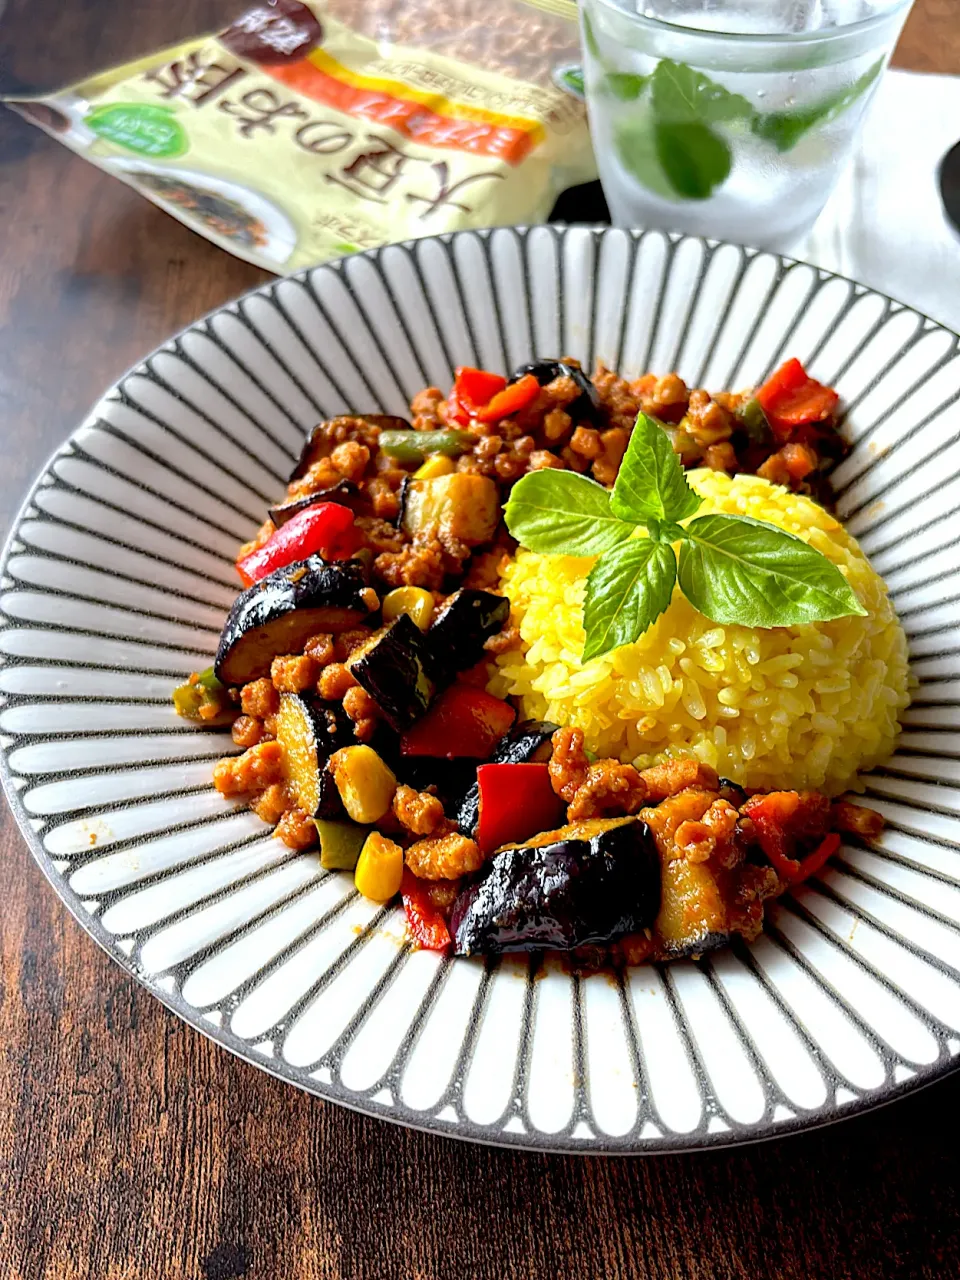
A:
628,588
733,569
565,514
650,483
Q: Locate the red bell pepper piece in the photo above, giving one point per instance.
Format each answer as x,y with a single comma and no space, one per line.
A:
812,863
779,818
453,413
426,923
790,377
464,721
771,816
790,398
326,529
475,388
511,399
516,801
771,832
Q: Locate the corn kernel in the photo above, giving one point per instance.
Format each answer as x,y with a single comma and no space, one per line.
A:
413,601
437,465
379,868
365,783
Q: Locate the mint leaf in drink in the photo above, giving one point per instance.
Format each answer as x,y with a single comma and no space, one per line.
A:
785,128
694,158
674,151
636,146
651,484
627,590
562,513
682,95
737,570
625,85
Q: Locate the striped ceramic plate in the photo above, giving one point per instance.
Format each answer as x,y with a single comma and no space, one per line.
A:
119,572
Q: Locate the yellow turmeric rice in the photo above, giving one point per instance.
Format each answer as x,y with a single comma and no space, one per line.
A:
798,707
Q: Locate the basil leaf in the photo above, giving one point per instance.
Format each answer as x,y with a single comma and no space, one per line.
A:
651,484
785,128
670,532
738,570
562,513
627,590
684,96
694,157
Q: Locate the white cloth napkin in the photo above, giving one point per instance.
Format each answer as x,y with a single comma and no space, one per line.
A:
885,225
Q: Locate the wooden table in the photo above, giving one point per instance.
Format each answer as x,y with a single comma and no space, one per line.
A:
130,1146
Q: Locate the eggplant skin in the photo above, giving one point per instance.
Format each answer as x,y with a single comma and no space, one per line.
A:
332,727
524,741
587,404
317,445
344,494
393,668
457,635
732,792
279,614
519,746
329,804
695,947
451,779
563,893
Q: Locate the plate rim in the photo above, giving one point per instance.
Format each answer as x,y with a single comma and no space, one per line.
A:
399,1113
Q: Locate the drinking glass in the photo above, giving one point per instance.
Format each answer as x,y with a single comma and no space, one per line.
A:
730,118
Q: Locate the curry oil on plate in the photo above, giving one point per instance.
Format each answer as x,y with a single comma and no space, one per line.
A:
118,575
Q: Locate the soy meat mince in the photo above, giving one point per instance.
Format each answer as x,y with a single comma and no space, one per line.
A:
399,702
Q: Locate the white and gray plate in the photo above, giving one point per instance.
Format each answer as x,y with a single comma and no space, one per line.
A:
119,572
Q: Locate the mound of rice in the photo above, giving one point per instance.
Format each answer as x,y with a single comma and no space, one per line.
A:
790,707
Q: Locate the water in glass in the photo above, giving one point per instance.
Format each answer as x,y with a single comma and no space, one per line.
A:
730,118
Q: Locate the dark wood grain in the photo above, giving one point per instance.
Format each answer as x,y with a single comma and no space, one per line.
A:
130,1146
